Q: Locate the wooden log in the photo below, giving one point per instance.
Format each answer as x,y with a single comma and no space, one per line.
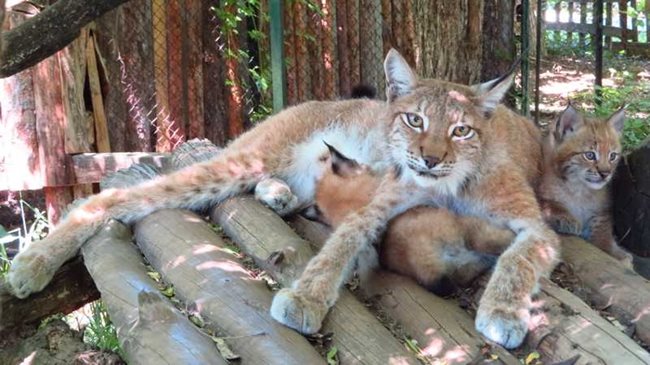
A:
442,329
261,234
610,286
149,328
565,327
212,281
92,167
47,32
71,288
19,165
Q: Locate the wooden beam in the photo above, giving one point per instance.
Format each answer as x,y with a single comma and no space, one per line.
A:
609,285
262,234
149,328
47,32
71,288
212,281
92,167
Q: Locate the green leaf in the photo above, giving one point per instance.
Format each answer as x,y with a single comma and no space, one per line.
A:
154,275
168,292
532,357
332,358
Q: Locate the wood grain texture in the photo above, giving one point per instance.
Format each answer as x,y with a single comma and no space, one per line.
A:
71,288
99,114
358,336
442,329
212,281
150,329
609,285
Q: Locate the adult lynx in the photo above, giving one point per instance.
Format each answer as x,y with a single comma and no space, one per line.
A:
440,143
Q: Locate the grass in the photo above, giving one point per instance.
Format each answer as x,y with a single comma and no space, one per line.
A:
100,331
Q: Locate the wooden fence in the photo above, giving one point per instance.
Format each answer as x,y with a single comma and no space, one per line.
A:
624,24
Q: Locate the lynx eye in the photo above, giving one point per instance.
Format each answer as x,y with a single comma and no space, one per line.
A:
613,156
462,132
590,155
413,120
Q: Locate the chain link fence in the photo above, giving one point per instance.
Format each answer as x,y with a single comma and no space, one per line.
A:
179,69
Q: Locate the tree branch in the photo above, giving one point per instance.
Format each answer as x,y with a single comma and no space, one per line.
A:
48,32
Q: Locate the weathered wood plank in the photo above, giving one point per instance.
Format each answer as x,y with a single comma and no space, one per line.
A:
442,329
261,234
610,285
101,125
71,288
19,167
92,167
212,281
150,329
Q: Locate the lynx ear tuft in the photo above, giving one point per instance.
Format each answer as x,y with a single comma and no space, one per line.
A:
400,78
617,120
492,92
567,123
341,164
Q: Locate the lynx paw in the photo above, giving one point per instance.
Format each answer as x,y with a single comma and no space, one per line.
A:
277,195
565,224
30,272
297,312
503,326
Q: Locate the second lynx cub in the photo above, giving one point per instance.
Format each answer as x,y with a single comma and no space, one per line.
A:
581,155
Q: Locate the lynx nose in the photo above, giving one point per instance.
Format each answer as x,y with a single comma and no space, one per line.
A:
604,173
431,161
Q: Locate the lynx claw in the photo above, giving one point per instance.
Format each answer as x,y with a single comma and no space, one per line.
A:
506,328
297,312
29,273
277,195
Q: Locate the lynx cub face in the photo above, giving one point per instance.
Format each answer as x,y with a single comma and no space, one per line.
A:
587,150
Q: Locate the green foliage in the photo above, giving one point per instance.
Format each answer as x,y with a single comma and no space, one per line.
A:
232,15
100,331
36,230
636,98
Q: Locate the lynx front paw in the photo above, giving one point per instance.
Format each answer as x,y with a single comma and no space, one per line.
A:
565,224
30,272
297,312
277,195
504,326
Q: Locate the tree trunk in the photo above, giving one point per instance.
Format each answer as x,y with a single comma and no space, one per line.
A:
498,38
448,39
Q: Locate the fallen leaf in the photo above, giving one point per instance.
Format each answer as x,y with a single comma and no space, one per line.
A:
332,358
224,349
532,357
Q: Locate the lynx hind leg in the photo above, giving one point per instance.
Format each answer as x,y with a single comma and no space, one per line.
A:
277,195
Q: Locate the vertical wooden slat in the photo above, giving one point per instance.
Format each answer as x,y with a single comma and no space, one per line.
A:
315,53
235,97
196,127
161,74
608,22
635,34
387,25
290,53
583,20
175,71
329,58
214,111
101,125
570,34
622,14
398,24
408,50
352,10
79,135
343,50
304,79
19,164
